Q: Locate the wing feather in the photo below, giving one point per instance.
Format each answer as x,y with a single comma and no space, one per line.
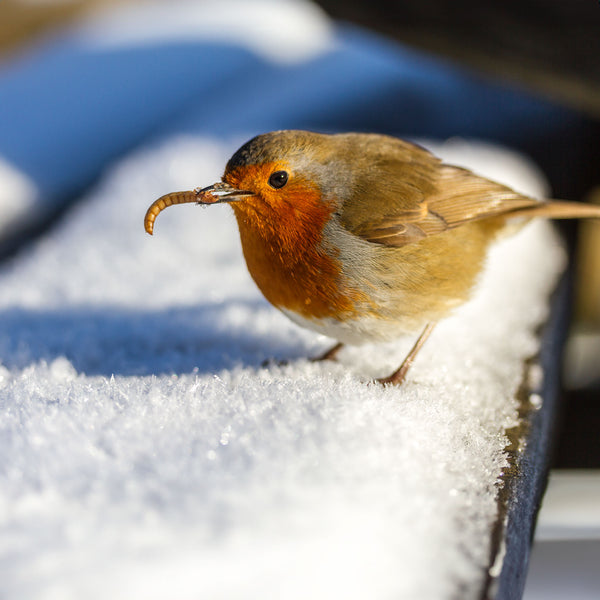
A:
412,199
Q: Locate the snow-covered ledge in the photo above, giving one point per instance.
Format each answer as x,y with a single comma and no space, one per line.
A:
147,453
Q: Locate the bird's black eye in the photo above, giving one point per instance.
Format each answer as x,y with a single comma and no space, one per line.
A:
278,179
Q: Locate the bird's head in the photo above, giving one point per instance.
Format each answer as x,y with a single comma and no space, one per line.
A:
283,179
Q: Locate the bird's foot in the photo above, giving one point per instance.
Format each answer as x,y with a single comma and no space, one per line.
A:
399,375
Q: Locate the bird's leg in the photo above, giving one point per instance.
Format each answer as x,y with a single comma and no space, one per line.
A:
397,377
330,354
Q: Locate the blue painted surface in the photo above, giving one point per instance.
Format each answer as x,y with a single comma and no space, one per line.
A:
67,110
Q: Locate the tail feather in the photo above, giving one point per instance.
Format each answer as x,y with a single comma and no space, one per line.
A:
559,209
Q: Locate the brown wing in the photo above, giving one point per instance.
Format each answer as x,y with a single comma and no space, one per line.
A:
408,200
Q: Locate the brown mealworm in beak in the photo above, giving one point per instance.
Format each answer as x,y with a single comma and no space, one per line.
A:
213,194
163,202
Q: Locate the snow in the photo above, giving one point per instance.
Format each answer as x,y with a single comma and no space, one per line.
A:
282,31
148,454
18,195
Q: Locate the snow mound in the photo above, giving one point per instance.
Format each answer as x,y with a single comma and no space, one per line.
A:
147,453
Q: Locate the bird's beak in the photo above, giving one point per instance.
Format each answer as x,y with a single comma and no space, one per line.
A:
220,192
213,194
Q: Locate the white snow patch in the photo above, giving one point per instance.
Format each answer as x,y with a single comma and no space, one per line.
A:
18,195
281,31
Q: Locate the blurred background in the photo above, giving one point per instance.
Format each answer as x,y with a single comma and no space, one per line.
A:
521,73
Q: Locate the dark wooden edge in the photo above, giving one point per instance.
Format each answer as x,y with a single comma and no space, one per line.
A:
530,451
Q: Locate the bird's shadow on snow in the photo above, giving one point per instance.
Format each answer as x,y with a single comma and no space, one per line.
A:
119,341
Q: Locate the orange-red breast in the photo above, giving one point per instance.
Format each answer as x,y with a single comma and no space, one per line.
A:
362,237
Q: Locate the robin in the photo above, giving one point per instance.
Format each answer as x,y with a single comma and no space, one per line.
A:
363,237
